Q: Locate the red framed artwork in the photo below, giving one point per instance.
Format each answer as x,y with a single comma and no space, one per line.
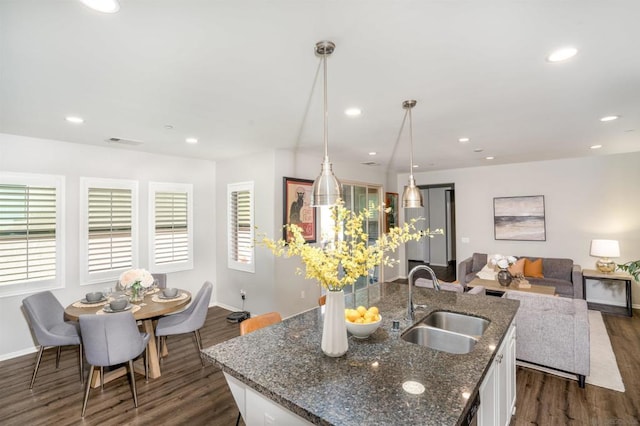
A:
297,208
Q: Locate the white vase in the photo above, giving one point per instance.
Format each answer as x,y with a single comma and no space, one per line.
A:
334,329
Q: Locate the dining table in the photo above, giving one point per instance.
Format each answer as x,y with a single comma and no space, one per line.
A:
151,307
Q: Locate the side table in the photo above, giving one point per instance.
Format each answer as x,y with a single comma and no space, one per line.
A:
604,277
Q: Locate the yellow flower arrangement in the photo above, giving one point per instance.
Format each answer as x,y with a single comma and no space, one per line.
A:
343,261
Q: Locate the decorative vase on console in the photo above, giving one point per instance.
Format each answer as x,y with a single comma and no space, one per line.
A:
504,277
334,328
503,262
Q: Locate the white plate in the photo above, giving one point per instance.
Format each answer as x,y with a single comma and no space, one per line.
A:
108,309
86,302
162,296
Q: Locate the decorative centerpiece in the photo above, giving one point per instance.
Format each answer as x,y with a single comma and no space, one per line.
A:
342,261
503,263
136,281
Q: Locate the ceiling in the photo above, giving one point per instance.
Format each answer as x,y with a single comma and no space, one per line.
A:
241,76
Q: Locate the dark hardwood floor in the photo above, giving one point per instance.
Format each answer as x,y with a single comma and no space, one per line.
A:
185,394
188,394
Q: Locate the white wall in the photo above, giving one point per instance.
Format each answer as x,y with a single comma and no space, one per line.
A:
31,155
585,198
275,285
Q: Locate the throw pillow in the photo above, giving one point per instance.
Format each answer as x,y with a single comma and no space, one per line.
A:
478,262
487,273
517,268
533,269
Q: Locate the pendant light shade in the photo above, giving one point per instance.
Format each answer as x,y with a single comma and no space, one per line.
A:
326,190
412,196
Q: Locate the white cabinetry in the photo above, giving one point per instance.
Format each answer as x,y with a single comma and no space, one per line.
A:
498,389
258,410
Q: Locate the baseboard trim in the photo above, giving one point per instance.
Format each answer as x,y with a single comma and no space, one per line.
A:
227,307
19,353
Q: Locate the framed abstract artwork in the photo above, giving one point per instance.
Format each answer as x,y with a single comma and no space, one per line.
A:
297,208
519,218
391,217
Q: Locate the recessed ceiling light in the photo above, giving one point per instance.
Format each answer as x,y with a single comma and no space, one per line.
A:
562,54
489,158
104,6
191,140
74,119
463,140
353,112
610,118
595,146
415,166
373,153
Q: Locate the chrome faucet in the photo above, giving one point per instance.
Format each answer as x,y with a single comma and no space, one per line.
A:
411,312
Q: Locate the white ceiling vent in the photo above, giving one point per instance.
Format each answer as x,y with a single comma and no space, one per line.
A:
123,141
370,163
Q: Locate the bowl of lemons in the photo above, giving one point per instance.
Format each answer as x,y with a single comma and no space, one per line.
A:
362,322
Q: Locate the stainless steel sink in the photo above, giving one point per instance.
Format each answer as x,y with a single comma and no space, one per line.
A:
439,339
459,323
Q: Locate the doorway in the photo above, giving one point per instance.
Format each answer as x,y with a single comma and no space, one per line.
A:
439,252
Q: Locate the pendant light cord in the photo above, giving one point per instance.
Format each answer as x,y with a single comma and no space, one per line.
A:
326,110
411,141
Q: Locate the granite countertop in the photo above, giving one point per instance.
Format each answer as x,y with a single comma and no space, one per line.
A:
284,362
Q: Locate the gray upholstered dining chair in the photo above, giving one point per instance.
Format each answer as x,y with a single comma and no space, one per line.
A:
190,320
46,319
162,280
112,339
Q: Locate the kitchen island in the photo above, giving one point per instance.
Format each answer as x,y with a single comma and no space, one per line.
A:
285,365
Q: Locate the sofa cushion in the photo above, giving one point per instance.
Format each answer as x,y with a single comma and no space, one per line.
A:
517,268
479,261
543,302
563,287
533,269
424,282
470,277
558,268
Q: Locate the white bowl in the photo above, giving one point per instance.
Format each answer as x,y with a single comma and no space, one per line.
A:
362,331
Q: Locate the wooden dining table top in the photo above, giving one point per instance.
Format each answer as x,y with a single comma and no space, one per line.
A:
148,308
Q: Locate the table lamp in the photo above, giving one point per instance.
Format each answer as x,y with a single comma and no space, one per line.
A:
605,250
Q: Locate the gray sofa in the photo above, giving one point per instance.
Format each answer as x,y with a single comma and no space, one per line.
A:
553,332
562,274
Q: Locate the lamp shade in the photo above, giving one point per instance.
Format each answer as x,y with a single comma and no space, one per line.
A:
605,248
326,188
412,196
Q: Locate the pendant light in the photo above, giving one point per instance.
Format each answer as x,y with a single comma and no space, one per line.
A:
326,188
411,197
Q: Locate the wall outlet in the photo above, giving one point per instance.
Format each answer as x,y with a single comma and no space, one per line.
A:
302,294
465,240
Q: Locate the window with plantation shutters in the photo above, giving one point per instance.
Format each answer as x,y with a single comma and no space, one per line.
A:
240,226
109,228
31,246
170,219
